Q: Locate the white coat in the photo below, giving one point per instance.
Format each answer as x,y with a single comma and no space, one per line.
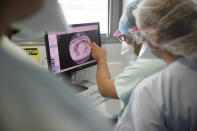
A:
165,101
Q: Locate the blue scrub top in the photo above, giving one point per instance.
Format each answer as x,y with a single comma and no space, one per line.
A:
165,101
133,74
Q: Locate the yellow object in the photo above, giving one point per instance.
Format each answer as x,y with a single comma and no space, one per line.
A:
32,51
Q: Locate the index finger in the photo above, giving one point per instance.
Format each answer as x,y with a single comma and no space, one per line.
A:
94,44
89,43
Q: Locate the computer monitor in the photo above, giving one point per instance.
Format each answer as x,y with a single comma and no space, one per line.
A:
68,51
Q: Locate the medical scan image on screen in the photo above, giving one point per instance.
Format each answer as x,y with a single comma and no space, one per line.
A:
79,49
68,51
73,48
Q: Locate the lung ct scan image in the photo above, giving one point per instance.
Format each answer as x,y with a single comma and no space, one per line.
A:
73,48
79,50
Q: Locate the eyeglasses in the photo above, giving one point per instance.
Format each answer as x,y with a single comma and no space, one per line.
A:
136,29
122,38
119,36
136,32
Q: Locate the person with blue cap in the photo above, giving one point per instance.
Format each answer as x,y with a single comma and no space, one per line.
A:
122,86
127,21
166,101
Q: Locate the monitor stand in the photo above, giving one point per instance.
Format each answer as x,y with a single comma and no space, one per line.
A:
67,76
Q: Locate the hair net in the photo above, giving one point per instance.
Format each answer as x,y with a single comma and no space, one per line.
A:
176,25
127,20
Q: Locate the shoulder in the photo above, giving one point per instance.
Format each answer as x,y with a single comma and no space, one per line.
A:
140,69
168,78
146,63
153,79
152,85
134,73
144,67
150,62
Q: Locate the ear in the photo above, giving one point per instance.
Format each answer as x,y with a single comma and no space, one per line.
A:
152,46
154,35
159,37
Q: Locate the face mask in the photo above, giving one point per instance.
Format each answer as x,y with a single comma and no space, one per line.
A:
145,52
49,18
126,48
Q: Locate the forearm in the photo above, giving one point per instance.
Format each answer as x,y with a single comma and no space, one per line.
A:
105,83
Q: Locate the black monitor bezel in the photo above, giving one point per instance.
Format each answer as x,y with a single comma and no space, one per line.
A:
77,68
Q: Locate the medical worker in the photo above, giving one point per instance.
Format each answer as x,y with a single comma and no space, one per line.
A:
122,86
166,101
31,99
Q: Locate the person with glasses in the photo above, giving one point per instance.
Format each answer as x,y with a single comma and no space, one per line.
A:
166,101
122,86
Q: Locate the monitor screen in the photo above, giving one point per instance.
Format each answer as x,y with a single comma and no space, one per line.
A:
69,51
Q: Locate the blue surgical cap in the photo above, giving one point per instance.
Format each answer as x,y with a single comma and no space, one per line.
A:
127,20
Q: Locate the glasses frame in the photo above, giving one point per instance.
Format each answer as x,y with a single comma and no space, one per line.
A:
120,36
136,30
